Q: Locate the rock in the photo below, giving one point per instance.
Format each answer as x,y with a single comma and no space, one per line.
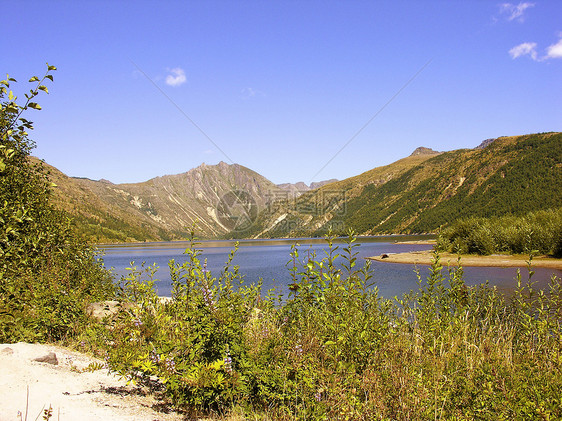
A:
50,358
485,143
424,151
7,351
104,309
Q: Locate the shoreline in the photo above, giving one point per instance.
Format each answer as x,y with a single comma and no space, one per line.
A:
449,259
422,242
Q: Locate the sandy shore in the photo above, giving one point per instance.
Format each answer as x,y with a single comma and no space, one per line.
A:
423,242
449,259
72,393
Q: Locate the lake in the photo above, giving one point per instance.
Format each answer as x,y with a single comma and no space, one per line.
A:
267,259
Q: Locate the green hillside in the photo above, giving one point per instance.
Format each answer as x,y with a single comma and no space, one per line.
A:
511,175
96,219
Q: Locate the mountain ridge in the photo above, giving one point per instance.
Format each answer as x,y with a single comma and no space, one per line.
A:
163,207
511,175
417,193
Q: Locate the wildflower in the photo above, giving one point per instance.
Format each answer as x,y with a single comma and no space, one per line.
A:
154,357
228,364
208,297
298,349
318,396
137,323
170,364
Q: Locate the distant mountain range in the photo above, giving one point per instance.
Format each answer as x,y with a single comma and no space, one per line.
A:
415,194
221,198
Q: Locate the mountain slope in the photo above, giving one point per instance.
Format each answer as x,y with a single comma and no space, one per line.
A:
314,211
418,193
162,208
426,190
97,219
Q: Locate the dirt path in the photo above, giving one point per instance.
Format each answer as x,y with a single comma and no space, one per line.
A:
449,259
72,394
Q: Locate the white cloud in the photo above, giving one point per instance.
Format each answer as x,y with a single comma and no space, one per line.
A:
530,49
515,11
555,50
251,93
176,78
527,48
248,92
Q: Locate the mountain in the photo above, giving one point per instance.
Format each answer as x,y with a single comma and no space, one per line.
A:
509,175
224,199
297,189
219,197
419,193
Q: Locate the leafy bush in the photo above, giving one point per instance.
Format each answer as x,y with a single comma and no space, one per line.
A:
536,232
47,276
334,349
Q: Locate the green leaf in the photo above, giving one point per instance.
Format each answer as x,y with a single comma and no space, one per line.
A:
51,67
34,105
34,79
50,77
43,88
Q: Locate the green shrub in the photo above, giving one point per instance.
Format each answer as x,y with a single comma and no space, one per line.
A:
536,232
47,276
334,349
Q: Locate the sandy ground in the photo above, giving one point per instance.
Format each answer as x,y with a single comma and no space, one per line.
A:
423,242
73,395
449,259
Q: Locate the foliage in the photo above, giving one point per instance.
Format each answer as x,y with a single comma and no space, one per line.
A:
536,232
334,349
46,275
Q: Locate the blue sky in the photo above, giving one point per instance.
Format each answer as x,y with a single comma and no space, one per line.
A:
280,86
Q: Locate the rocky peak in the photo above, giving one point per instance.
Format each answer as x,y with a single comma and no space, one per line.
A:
303,187
485,143
424,151
315,185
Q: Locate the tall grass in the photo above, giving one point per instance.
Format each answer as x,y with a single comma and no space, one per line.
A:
335,349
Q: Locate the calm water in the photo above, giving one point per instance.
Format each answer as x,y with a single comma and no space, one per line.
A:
267,259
